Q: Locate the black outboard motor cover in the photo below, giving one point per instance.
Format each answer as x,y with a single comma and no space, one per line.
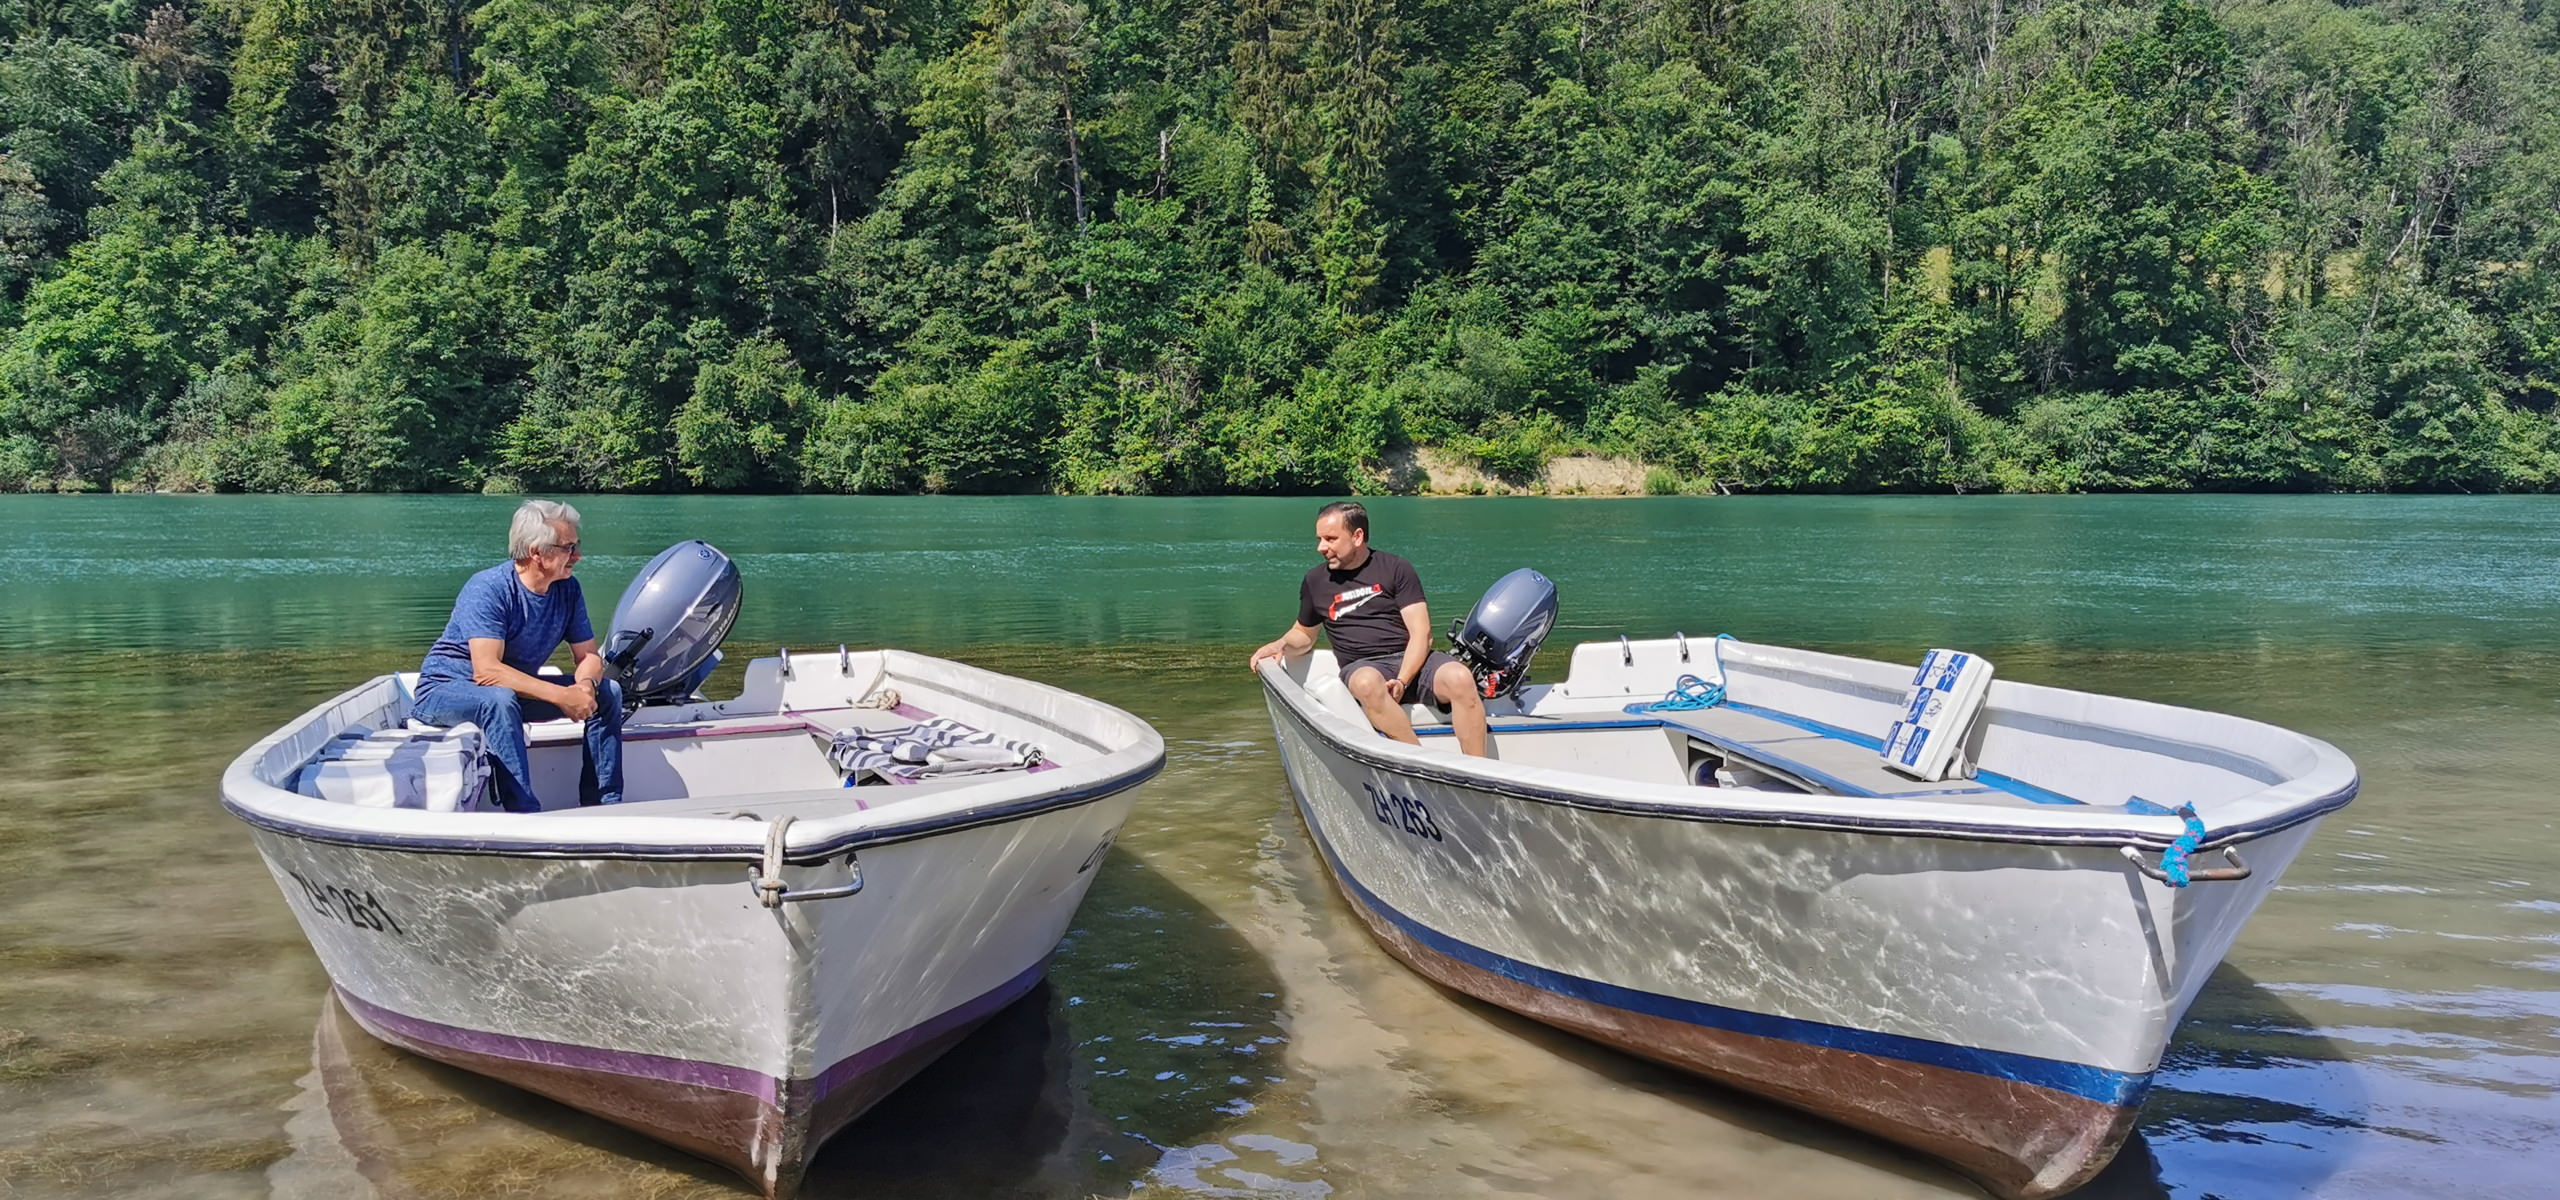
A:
1502,634
668,627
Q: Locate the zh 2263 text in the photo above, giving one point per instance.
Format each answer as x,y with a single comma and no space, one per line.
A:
1403,812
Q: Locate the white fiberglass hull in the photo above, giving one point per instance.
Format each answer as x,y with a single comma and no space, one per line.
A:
626,964
1991,986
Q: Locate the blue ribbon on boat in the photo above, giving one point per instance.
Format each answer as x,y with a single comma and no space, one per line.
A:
2173,861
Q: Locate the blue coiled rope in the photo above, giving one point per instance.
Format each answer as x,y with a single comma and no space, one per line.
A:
1691,693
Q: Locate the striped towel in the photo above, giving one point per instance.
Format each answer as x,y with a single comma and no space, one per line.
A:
926,750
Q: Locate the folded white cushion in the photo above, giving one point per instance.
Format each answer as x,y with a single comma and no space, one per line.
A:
437,770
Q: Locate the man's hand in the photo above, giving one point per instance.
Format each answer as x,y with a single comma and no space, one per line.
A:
1299,640
578,700
1275,649
1395,690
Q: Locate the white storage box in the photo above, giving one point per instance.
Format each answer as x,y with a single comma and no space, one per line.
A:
1937,714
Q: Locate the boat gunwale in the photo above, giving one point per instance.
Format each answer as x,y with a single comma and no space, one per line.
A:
2148,832
1017,795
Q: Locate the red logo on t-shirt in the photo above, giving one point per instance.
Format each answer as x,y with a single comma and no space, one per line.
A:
1344,602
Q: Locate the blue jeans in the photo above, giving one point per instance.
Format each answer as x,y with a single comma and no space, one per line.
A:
501,715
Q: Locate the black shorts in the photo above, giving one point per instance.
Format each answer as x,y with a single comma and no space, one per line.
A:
1388,664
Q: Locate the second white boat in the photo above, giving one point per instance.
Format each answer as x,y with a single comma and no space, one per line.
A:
1986,968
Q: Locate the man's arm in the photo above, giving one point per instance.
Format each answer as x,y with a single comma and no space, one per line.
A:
577,699
1417,650
1296,642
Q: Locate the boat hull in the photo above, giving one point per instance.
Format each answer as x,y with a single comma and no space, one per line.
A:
663,996
1999,1005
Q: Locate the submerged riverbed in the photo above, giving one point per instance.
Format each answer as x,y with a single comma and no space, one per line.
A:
1217,1024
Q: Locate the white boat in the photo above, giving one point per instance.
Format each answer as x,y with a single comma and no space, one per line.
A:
1986,969
744,955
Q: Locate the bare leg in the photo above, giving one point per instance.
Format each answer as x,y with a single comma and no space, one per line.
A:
1457,688
1369,686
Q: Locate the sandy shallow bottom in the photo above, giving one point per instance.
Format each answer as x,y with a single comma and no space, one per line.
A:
1218,1024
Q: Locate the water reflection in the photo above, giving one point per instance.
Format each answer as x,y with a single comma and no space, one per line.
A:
2248,1069
993,1116
372,1121
2388,1022
1085,1084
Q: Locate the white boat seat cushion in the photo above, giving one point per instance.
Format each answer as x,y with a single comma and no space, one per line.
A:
436,770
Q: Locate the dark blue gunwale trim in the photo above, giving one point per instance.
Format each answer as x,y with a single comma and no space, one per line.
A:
2116,1088
1843,823
858,839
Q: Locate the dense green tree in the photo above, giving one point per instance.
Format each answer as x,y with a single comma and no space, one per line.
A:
1142,246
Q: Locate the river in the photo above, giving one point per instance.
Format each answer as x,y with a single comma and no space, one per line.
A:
1217,1023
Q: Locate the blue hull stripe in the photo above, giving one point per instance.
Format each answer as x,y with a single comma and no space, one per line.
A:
2117,1088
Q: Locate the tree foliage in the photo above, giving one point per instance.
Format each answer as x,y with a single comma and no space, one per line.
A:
1133,246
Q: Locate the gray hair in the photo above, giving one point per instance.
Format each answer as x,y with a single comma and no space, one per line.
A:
533,529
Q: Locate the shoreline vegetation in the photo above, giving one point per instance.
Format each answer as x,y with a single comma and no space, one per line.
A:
1250,246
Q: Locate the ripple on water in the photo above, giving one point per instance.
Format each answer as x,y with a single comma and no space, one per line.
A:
1219,1024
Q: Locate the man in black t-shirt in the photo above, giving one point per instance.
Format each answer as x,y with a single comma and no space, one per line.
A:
1369,603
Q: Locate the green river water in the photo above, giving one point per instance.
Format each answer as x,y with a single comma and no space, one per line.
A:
1217,1024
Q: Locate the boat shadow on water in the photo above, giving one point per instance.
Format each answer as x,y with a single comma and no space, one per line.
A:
1007,1110
2251,1085
2239,1035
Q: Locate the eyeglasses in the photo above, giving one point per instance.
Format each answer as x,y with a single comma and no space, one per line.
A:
566,547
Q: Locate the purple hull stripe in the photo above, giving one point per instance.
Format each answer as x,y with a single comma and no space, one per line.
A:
563,1054
688,1071
866,1061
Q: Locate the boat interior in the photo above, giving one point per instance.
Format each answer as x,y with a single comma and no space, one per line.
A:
1818,725
697,758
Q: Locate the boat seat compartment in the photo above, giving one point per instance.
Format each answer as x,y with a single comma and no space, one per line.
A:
437,770
825,799
716,760
1822,759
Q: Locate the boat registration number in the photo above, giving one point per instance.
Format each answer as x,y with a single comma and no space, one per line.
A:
1404,813
359,909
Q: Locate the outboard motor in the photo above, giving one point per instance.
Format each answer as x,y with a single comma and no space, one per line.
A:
1499,637
668,627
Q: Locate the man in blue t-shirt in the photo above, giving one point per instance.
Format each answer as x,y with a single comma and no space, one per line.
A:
484,669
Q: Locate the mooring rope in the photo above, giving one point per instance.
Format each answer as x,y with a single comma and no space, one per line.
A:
1691,693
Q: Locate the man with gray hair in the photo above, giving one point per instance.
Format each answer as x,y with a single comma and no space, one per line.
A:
505,625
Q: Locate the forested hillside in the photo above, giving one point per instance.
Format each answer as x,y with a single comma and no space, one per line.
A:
1149,246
